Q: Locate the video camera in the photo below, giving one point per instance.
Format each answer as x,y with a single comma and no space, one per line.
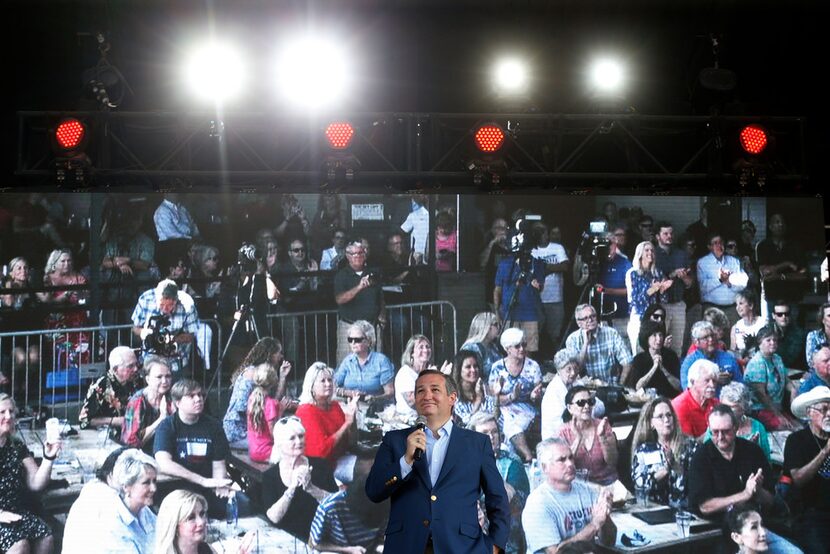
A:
595,242
523,243
161,339
248,257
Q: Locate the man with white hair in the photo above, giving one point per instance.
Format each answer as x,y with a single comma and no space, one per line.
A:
562,510
167,309
694,405
807,461
107,397
706,340
599,349
820,376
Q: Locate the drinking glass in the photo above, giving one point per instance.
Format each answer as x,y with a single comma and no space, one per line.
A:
684,520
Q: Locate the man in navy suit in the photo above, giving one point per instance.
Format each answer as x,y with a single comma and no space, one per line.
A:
434,499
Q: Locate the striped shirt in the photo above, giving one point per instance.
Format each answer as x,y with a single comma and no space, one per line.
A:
334,523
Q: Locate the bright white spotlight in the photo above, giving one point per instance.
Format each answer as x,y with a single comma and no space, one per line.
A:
313,73
215,72
607,76
510,76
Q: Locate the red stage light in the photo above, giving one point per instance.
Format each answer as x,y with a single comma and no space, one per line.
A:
753,139
339,135
489,138
70,134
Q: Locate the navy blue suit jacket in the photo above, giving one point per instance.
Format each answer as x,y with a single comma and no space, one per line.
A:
448,511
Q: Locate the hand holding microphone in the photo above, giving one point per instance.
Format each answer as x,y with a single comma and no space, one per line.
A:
416,442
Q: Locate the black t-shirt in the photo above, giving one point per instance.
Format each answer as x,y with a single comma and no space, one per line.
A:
194,447
300,513
366,304
770,254
801,447
712,476
641,364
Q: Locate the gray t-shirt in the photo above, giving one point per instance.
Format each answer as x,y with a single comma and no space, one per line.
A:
551,517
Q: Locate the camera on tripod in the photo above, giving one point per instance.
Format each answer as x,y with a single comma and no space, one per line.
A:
595,244
161,339
523,243
248,257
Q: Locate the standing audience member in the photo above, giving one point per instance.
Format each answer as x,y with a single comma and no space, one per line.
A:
495,250
364,372
645,285
791,337
675,265
358,296
695,404
417,226
71,348
332,257
782,263
327,424
263,410
481,339
20,529
173,220
295,483
807,461
699,231
612,278
416,357
747,326
661,454
656,366
821,336
566,364
820,376
592,440
446,241
704,337
599,349
728,470
107,398
563,510
294,222
473,395
516,382
517,297
721,278
767,379
555,258
148,407
331,218
129,524
19,316
736,396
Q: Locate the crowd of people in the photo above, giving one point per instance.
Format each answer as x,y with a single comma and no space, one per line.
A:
707,338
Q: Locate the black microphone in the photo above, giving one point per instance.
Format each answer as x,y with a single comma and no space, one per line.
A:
420,423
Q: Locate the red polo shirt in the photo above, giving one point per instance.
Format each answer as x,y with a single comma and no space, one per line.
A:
694,418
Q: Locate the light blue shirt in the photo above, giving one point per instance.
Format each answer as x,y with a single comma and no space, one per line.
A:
708,275
127,533
435,453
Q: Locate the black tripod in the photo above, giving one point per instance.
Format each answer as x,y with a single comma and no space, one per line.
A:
525,263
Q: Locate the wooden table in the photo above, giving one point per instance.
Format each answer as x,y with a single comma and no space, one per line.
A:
269,539
663,537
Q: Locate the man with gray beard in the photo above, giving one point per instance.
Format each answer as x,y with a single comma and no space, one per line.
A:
807,461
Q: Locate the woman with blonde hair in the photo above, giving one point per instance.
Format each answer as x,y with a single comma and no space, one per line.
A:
481,339
59,272
326,424
645,285
263,410
181,526
416,357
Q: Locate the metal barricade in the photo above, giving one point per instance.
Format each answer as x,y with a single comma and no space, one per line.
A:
311,336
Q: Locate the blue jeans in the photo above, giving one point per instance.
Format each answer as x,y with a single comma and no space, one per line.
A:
780,545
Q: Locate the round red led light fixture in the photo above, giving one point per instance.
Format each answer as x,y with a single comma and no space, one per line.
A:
489,138
69,134
339,135
753,139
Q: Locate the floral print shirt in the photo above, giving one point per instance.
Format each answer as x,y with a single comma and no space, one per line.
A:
106,397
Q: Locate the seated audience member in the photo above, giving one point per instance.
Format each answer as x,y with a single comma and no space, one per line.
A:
748,325
767,380
347,521
656,366
327,425
599,349
721,278
181,526
645,284
514,475
292,487
517,380
553,401
416,357
266,350
820,376
821,336
364,372
263,411
728,470
694,404
21,530
791,337
703,335
191,446
298,262
331,257
168,301
148,407
473,393
661,454
746,529
592,440
96,497
807,461
719,321
106,399
737,397
128,524
563,510
482,339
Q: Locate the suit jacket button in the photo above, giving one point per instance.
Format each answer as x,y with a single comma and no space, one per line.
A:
433,498
394,478
426,523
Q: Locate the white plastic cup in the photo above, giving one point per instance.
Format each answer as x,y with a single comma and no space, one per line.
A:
53,430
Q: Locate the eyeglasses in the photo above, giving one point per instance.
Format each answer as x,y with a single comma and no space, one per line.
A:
666,416
823,411
355,340
731,245
729,431
584,402
297,250
360,253
782,314
587,317
213,259
705,338
520,345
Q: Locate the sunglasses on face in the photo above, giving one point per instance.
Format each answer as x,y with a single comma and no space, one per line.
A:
587,317
298,250
585,402
355,340
286,419
782,314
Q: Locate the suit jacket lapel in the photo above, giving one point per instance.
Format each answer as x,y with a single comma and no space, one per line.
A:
454,451
422,469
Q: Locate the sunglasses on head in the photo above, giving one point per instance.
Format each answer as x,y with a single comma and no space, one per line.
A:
585,402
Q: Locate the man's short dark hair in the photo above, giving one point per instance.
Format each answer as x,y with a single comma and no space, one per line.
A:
724,410
183,388
449,382
662,224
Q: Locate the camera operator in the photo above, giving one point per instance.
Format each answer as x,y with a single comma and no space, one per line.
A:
166,320
612,278
518,285
358,295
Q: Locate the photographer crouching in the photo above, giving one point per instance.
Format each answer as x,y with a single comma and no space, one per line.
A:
166,320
